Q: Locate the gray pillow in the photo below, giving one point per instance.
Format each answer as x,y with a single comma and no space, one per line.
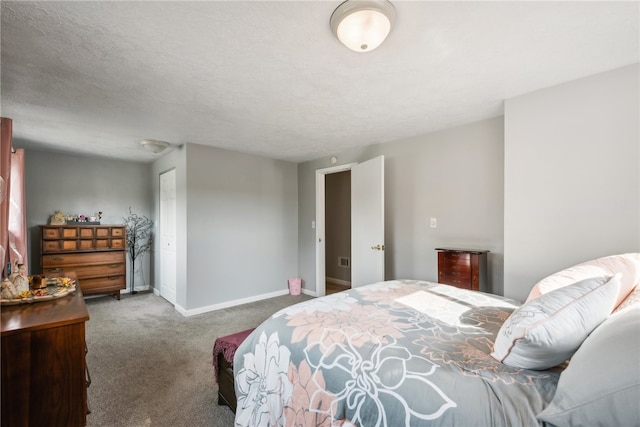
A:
601,385
547,330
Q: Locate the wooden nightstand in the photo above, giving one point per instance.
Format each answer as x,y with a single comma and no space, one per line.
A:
464,268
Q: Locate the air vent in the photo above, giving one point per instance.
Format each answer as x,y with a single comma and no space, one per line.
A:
343,261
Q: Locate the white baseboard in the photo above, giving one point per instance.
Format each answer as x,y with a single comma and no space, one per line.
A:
338,282
309,292
228,304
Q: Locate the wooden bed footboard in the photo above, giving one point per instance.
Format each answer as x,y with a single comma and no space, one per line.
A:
226,390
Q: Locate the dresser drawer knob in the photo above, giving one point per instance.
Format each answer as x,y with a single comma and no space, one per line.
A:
114,265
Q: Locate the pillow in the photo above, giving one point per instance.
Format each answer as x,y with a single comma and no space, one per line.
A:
626,264
601,385
547,330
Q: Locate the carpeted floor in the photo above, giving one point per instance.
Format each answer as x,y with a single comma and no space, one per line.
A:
150,366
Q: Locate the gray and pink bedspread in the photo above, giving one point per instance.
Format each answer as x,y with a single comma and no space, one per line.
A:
396,353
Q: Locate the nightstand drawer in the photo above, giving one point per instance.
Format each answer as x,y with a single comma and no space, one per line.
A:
455,281
453,275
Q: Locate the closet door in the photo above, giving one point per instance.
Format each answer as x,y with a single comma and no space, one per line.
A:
168,235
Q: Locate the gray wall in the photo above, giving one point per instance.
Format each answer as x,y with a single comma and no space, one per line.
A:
338,224
562,188
237,214
83,185
572,176
455,175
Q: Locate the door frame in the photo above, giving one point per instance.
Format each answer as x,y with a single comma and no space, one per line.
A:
319,241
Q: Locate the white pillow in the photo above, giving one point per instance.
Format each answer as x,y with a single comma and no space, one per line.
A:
547,330
601,385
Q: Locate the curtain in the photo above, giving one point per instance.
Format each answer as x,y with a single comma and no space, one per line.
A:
17,212
13,216
5,172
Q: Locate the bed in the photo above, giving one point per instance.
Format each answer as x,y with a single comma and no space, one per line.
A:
407,353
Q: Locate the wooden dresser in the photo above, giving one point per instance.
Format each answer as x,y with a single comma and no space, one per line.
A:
96,253
44,376
464,268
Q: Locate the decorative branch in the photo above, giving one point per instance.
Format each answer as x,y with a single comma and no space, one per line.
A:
139,239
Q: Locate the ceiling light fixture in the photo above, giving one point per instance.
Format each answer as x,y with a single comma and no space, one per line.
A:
362,25
154,145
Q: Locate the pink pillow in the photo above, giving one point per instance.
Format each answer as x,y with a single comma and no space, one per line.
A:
626,264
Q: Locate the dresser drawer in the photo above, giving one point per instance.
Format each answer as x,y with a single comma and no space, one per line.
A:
117,232
117,243
87,271
102,232
102,284
72,260
69,233
86,244
51,233
86,232
102,244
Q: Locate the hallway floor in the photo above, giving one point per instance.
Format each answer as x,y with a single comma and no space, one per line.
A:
332,288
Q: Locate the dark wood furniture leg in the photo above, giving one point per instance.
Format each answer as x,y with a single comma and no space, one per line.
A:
226,389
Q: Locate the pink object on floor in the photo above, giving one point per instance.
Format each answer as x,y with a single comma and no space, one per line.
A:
295,285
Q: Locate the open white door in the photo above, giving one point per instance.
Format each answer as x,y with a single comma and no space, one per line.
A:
168,236
367,222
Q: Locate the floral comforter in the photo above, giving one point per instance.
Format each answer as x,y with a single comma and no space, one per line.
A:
395,353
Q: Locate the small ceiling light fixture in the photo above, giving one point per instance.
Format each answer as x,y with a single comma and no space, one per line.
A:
154,145
362,25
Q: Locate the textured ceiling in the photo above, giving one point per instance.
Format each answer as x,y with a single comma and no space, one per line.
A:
268,77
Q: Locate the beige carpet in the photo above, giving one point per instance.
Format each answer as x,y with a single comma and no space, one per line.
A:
150,366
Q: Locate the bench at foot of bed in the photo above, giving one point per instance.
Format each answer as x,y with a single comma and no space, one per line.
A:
223,351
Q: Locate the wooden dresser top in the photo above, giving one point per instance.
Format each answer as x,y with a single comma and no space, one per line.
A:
46,314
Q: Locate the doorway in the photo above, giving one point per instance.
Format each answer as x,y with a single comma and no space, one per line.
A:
338,231
367,223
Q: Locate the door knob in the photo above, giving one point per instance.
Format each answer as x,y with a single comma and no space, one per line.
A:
378,247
